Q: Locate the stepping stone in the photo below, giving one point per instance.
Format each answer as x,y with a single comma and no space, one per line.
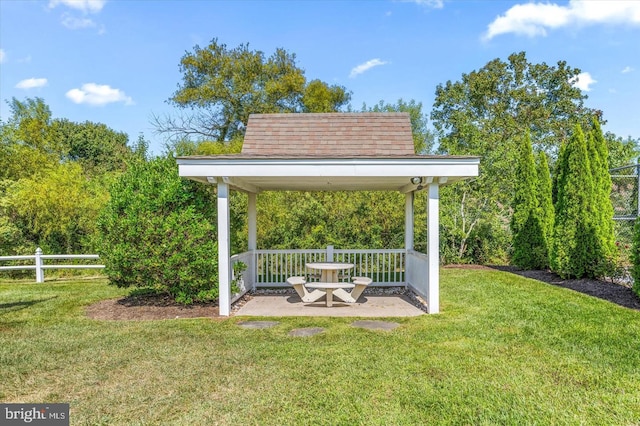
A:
306,332
258,324
375,325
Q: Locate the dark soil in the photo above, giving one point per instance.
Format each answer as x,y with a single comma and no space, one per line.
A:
149,307
619,294
155,307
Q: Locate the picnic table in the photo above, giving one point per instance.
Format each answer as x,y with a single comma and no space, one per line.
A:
329,284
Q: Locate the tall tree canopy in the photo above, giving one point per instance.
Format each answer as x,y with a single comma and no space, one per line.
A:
423,137
222,86
488,109
93,145
53,178
31,140
485,114
25,142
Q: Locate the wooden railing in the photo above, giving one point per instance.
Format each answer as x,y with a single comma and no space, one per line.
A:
38,262
384,267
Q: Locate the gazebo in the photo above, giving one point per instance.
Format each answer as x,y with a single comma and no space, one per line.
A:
329,152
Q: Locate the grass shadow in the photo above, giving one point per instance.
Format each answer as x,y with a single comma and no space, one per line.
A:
18,306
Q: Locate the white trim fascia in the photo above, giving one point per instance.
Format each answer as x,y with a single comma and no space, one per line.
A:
219,162
306,168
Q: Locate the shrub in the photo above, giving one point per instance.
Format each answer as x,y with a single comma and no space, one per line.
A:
635,257
157,231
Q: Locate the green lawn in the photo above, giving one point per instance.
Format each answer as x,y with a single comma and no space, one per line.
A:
505,350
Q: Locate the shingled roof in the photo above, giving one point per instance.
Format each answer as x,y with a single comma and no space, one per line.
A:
386,134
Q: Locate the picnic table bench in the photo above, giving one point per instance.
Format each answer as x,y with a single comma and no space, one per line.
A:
329,288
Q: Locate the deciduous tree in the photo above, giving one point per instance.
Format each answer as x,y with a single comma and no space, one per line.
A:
423,137
484,114
54,175
222,86
57,210
96,147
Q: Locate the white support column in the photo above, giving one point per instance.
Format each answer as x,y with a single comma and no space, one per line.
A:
252,245
433,249
408,221
224,250
252,216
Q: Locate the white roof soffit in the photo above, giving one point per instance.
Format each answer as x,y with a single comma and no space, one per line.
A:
256,175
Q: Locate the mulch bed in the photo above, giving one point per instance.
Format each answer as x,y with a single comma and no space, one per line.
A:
156,307
616,293
149,307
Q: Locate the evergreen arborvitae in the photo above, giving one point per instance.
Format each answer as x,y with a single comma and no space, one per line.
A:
529,246
545,203
574,240
602,201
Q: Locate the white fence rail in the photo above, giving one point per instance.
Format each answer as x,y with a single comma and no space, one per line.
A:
39,265
384,267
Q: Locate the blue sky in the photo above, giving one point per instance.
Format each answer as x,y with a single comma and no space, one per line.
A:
116,62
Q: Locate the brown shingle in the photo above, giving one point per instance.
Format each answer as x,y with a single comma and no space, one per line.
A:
351,134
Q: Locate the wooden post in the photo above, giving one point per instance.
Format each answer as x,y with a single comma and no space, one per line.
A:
39,270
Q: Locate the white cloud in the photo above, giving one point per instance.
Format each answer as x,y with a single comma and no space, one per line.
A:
98,95
435,4
534,19
74,23
583,81
627,70
77,21
2,56
366,66
31,83
86,6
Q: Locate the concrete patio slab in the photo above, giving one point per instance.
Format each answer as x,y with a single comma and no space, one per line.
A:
257,325
375,325
306,332
369,305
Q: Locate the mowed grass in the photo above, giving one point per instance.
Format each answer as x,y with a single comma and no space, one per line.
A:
504,350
